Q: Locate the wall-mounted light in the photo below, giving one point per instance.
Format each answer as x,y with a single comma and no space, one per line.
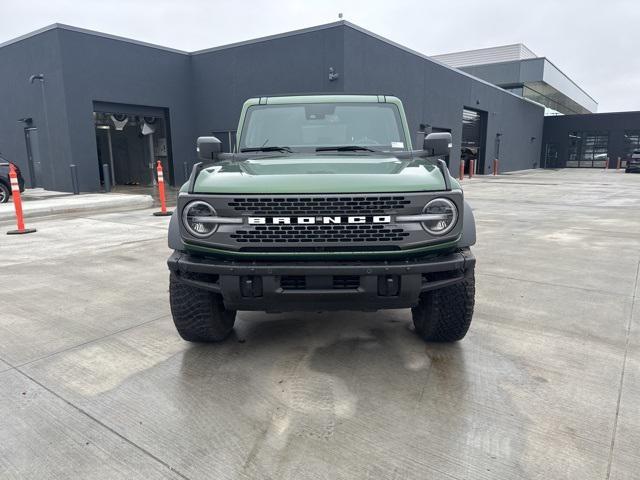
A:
37,76
532,139
103,127
333,75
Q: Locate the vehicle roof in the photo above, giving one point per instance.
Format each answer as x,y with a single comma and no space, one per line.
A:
322,98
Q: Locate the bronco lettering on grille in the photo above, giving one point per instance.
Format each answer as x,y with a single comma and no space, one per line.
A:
321,220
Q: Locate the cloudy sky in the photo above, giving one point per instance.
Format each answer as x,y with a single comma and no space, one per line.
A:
596,43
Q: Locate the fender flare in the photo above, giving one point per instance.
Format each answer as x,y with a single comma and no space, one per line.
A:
175,239
469,227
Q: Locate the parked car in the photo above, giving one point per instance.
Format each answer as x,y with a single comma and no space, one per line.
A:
5,183
633,163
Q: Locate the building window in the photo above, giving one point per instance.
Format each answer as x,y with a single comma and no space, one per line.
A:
588,149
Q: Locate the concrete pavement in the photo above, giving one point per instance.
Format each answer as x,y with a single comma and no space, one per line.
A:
95,382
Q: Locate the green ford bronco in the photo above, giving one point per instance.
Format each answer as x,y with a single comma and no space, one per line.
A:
323,206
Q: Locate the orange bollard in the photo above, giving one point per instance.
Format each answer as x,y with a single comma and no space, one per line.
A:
495,166
17,203
163,204
472,165
461,169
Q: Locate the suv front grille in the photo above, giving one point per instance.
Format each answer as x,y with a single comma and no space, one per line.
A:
280,206
320,234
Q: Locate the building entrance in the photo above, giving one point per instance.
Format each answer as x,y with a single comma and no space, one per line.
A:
131,143
474,133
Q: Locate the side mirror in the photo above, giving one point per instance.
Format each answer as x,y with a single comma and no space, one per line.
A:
208,148
437,144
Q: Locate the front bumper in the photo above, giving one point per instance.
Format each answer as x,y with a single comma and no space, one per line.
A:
318,286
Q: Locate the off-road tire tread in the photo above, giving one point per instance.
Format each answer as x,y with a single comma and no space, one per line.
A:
199,315
445,315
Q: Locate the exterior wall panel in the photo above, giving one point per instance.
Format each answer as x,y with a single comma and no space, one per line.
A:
20,99
204,91
436,95
224,78
103,69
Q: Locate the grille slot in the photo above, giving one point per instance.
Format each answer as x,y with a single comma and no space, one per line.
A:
293,282
346,282
281,206
332,233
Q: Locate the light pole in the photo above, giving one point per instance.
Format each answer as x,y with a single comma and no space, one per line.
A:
40,77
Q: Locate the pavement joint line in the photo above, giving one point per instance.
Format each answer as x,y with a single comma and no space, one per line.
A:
105,426
624,366
11,366
88,342
549,284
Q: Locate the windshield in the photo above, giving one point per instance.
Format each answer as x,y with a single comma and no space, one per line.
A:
317,125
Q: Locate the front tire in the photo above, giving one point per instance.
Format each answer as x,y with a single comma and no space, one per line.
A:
199,315
444,315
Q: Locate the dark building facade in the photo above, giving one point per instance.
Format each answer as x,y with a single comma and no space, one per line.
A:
123,103
590,140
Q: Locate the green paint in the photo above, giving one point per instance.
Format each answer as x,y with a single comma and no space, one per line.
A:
321,173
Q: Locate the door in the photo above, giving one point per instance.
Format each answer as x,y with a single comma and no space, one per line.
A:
33,156
550,156
131,139
588,149
474,132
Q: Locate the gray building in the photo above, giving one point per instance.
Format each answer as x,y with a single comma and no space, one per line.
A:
115,101
517,69
591,140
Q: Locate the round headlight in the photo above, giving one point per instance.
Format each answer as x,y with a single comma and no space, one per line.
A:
443,216
194,218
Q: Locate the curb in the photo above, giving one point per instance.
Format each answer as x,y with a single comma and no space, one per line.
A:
81,203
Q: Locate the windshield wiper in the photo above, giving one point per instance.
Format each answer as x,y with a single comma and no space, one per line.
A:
266,149
346,148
